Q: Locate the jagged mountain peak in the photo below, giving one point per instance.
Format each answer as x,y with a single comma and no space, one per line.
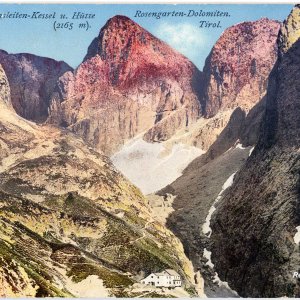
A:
129,53
118,32
121,22
290,30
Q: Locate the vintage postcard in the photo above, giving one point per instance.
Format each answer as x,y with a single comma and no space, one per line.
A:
149,150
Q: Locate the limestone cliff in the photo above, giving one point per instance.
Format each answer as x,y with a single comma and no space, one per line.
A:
4,89
290,30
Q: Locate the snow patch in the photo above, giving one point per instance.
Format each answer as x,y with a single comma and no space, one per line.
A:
297,236
206,229
251,150
240,146
225,284
228,183
217,280
150,167
207,255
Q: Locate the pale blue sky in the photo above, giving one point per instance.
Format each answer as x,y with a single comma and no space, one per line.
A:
182,33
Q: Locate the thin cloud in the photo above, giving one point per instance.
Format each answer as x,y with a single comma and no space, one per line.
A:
186,38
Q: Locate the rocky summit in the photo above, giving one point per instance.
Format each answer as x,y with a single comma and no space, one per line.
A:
32,80
235,78
129,83
255,230
236,71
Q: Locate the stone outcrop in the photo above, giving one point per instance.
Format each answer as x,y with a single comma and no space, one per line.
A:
242,129
254,239
237,69
129,82
290,30
32,80
4,89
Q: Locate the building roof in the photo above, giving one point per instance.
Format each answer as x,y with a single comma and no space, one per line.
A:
172,272
163,273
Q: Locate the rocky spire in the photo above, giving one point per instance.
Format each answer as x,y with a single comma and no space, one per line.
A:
290,30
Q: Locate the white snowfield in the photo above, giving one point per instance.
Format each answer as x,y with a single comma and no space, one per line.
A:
251,150
152,166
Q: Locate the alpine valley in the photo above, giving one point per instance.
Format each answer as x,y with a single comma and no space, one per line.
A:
137,162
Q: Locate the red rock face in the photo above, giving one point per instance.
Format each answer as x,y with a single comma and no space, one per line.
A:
32,80
237,69
131,55
129,82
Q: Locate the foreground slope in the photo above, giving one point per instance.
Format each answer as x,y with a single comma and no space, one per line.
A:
255,241
70,223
